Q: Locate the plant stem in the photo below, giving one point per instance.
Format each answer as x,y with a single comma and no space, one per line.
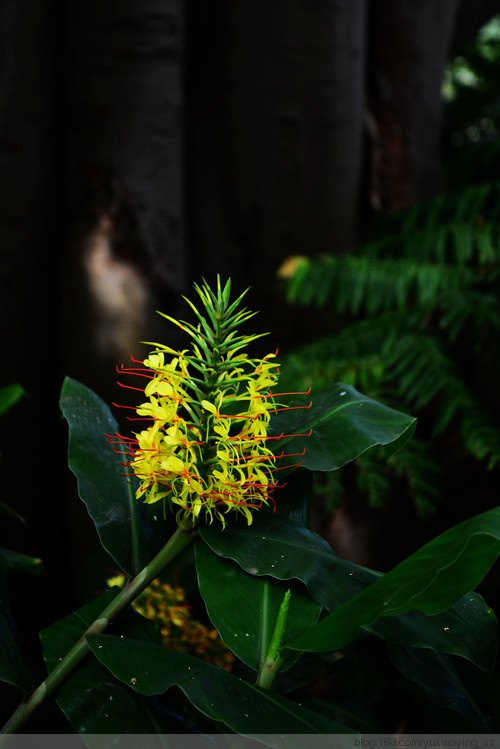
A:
172,548
274,661
269,672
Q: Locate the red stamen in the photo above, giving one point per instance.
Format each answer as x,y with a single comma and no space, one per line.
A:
286,436
290,408
129,387
290,455
277,395
282,468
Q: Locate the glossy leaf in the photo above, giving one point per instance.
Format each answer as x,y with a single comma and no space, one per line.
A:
343,424
244,607
430,580
12,666
224,698
286,550
129,530
91,698
436,673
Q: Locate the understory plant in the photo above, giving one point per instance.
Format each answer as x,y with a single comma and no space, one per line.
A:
415,322
223,607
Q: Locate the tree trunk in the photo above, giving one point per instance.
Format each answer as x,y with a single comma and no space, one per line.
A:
408,50
32,463
276,134
126,253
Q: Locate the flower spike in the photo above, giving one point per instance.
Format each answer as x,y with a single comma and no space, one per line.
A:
205,449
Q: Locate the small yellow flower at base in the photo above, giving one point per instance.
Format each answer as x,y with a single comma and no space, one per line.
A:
166,605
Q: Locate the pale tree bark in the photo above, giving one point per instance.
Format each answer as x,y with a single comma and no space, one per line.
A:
276,133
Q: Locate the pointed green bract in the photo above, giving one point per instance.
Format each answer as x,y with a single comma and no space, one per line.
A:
205,452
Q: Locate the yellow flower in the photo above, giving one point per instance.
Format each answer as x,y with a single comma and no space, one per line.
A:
167,606
205,450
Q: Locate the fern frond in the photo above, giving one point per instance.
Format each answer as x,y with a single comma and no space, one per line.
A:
353,356
476,305
423,475
459,227
422,302
367,285
423,370
480,434
414,465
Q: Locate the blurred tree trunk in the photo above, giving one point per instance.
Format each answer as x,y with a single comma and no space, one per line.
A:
408,49
276,134
125,121
31,449
125,252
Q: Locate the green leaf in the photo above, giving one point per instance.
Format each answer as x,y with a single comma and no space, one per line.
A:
466,629
244,607
23,562
128,530
12,666
224,698
430,580
286,550
9,396
91,698
437,674
342,424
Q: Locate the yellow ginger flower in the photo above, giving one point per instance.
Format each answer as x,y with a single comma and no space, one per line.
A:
205,450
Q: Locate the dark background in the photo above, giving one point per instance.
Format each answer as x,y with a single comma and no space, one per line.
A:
145,144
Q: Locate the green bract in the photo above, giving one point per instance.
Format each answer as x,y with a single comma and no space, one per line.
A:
206,449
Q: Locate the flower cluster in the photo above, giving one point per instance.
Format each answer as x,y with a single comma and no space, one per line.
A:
167,606
206,447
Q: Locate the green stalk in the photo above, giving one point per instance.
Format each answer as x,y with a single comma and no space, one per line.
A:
273,660
172,548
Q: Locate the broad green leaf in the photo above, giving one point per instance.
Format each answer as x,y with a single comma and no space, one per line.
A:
129,530
91,698
9,395
342,424
244,607
436,673
286,550
12,666
243,707
347,712
431,580
466,629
